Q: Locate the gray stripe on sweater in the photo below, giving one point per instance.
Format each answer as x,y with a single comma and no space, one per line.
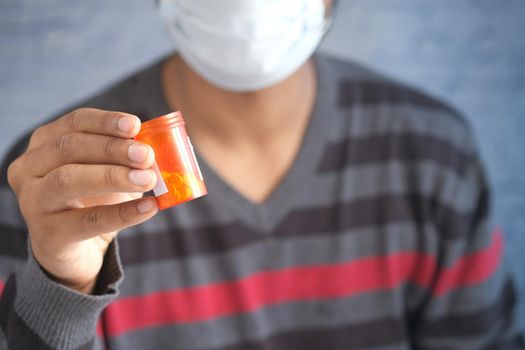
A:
365,121
394,177
400,346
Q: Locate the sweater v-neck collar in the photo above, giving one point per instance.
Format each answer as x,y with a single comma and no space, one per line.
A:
266,216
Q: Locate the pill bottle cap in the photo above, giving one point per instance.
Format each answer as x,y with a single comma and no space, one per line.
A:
159,124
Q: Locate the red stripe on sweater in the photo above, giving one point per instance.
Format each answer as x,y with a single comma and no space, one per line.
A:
471,269
1,287
267,288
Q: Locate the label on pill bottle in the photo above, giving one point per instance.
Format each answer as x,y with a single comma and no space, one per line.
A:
196,164
160,188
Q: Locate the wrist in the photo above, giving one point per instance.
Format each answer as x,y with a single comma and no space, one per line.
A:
85,288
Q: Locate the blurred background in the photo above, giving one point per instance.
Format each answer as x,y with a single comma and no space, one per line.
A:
470,53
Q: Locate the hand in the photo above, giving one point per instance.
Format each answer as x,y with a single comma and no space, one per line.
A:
81,181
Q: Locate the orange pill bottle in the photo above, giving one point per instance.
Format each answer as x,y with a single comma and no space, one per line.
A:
179,178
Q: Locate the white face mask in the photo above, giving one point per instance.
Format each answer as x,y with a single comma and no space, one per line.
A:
245,45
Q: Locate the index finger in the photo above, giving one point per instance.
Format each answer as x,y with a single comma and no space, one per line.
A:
88,120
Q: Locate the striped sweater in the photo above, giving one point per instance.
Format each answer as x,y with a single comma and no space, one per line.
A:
378,237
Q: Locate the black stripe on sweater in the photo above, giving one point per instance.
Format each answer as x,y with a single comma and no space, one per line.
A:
515,343
381,148
377,93
473,324
13,241
369,334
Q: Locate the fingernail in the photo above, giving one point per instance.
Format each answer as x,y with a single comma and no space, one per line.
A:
140,177
138,153
145,206
126,124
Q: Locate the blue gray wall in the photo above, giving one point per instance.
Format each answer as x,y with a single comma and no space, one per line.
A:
469,52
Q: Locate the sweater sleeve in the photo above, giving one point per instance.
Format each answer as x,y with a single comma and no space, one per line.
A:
470,302
36,312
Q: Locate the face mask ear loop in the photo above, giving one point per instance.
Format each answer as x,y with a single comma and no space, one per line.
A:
328,23
330,18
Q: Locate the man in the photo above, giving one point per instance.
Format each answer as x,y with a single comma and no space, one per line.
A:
345,211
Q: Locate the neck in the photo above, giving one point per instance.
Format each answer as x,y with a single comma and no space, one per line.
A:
233,118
